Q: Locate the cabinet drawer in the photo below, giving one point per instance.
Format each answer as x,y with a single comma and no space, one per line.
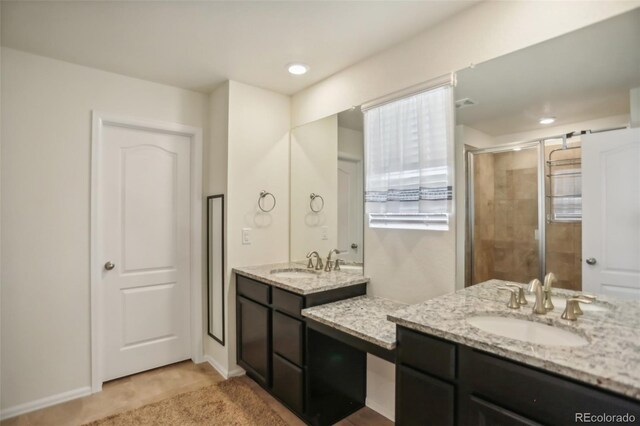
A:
287,302
252,289
288,383
428,354
287,337
422,400
483,413
541,396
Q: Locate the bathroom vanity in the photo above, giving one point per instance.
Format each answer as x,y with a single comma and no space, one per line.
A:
453,370
319,378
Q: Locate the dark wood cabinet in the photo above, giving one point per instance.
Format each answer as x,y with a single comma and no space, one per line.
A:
254,336
273,346
441,382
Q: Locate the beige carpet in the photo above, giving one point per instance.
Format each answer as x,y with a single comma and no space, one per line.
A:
226,403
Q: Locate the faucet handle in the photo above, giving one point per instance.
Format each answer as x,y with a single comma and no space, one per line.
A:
336,266
521,299
513,300
319,264
572,309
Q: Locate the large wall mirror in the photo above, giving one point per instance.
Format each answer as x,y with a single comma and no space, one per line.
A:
541,130
215,267
327,195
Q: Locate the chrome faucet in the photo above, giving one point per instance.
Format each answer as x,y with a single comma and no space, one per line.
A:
330,263
310,256
549,280
535,286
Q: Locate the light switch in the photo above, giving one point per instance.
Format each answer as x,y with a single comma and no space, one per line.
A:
324,233
246,236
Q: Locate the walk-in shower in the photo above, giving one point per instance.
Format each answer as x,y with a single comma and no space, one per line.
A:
524,212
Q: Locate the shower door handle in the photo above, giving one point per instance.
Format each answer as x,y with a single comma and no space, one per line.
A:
591,261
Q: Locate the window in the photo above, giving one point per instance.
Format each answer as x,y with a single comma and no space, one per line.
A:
409,145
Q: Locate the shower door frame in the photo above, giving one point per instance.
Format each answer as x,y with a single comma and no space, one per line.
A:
470,199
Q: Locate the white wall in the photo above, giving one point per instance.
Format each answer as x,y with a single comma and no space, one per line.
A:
215,182
314,169
46,135
257,159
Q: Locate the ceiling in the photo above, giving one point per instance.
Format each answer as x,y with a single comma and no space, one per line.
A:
580,76
197,45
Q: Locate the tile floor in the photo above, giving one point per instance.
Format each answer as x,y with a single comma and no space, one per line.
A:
154,385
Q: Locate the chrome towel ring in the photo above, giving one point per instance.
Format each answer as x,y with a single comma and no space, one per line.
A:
312,199
263,195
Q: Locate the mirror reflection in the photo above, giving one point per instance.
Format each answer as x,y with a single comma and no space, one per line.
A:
539,136
327,178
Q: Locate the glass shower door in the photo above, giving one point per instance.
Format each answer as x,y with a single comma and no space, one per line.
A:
504,214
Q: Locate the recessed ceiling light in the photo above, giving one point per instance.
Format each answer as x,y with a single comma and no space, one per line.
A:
298,69
547,120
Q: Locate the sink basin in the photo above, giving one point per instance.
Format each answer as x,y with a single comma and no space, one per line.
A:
527,331
293,273
560,302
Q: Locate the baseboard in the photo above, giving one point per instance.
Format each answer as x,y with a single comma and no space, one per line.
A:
44,402
380,409
223,371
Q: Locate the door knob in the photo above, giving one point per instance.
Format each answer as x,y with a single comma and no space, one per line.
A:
109,265
591,261
354,246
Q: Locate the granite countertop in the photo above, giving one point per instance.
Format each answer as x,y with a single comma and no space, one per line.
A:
611,359
318,280
364,317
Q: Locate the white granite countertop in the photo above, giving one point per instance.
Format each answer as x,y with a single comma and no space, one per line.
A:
611,359
318,280
364,317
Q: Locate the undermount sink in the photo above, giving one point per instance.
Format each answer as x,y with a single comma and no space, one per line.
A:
560,302
293,273
527,331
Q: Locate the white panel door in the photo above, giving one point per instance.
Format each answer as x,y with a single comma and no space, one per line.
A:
611,213
145,235
350,220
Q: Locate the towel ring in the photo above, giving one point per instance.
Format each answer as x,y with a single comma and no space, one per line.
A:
313,197
264,194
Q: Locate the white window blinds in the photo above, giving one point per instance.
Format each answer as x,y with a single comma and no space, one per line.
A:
408,149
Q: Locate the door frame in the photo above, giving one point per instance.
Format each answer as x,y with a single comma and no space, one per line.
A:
99,120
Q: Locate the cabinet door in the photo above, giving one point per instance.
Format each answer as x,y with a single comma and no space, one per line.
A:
287,337
422,399
254,324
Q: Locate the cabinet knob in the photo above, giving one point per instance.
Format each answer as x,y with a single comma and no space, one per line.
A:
354,246
109,265
591,261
